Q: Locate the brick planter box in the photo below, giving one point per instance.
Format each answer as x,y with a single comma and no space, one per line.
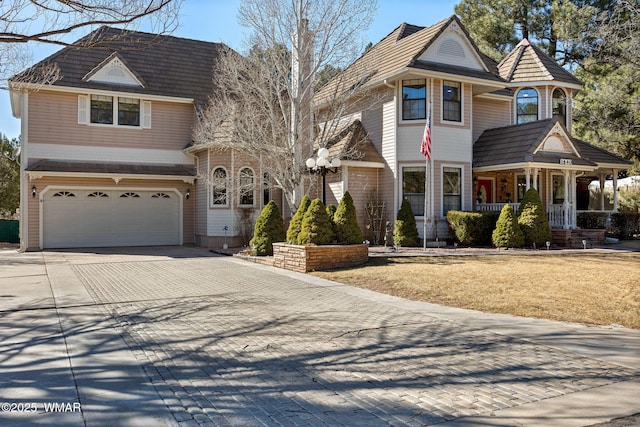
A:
313,258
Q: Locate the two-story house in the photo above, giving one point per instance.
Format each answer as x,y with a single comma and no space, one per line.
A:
107,157
103,159
497,129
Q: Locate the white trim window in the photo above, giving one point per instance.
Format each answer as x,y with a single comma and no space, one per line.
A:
451,101
246,187
413,179
414,99
108,110
219,185
527,101
559,105
451,189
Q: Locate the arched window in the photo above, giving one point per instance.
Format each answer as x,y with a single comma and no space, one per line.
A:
246,186
559,105
527,105
219,187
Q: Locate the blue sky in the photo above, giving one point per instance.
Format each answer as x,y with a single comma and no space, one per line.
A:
216,21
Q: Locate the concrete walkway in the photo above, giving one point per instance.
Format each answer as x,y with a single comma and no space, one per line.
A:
179,336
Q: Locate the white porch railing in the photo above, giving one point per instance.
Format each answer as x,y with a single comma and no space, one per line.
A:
555,213
495,206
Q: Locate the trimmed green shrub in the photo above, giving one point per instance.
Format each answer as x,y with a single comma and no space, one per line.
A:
347,230
592,220
472,228
331,211
507,233
405,230
268,230
625,225
533,220
316,227
296,222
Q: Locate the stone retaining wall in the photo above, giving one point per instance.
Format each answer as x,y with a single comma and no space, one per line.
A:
312,258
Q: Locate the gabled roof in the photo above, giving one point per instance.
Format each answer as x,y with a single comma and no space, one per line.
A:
527,63
537,142
157,60
353,138
600,155
401,49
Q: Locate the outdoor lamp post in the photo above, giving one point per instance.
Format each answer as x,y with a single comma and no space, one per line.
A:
322,165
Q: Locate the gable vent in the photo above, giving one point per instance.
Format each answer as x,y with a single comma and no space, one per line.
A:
451,48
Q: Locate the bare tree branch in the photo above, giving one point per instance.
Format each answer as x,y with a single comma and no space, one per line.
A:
48,21
263,106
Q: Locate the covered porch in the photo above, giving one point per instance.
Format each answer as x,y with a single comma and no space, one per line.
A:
542,155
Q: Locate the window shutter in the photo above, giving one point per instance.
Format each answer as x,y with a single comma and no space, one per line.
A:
83,109
146,114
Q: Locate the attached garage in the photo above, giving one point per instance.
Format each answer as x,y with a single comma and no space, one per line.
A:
73,218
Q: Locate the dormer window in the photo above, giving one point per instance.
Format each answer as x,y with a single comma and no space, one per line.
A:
527,105
559,105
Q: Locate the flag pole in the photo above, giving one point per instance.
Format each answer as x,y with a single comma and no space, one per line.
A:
426,151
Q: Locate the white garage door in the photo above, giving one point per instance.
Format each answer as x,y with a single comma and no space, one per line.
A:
100,218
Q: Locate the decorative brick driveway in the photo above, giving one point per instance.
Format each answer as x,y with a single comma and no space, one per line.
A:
231,343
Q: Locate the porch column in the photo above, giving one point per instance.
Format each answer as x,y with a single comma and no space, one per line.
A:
573,208
565,204
615,190
536,171
527,174
603,179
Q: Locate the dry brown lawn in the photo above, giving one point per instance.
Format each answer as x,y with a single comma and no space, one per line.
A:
599,289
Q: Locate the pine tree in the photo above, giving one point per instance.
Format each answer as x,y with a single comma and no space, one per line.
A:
268,230
532,219
507,233
405,232
296,222
316,227
347,230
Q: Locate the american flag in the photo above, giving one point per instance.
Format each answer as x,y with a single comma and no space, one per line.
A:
425,148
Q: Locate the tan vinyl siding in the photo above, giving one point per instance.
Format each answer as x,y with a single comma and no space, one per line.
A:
33,238
387,186
363,187
201,199
53,119
489,114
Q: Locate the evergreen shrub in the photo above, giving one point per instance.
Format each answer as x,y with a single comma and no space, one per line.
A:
316,227
405,231
507,233
296,222
268,230
472,228
345,219
533,220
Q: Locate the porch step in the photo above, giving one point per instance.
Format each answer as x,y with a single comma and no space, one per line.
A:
574,238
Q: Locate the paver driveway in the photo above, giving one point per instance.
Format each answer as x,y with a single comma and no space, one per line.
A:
224,342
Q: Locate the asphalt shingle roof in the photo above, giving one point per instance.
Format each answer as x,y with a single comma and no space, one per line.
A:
517,144
167,65
111,168
527,63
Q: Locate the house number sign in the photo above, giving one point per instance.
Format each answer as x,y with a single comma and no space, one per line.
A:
567,162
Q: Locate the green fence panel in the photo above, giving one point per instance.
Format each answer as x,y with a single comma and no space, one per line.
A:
9,230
